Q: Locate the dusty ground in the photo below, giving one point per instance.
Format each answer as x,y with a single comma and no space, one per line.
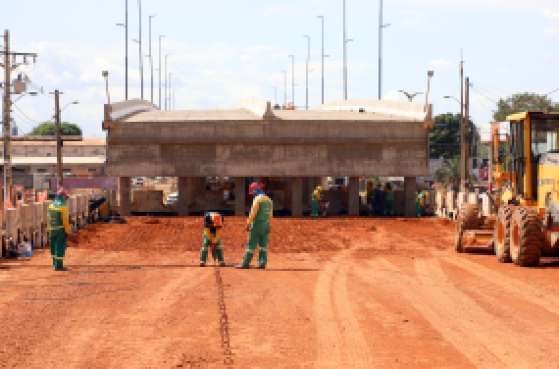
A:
338,294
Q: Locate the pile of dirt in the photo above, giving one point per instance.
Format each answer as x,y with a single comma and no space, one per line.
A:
288,235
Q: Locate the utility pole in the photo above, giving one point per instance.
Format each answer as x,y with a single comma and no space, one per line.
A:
463,148
160,39
9,64
58,124
467,138
151,59
140,50
292,79
307,71
321,17
169,93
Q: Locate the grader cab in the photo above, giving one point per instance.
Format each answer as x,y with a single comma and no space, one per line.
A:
525,189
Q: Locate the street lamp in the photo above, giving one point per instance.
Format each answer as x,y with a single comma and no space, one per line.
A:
307,71
410,95
284,88
125,26
151,59
430,75
292,57
161,37
321,17
381,27
140,53
452,98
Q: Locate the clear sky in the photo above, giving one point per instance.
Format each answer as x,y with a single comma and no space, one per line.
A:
225,50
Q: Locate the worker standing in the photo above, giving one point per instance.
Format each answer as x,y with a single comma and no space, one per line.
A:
315,201
258,226
211,239
59,228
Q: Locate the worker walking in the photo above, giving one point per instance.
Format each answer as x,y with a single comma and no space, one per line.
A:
59,228
211,239
315,201
258,227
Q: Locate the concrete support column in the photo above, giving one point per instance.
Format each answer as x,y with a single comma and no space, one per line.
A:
124,186
240,196
185,187
410,189
353,196
297,197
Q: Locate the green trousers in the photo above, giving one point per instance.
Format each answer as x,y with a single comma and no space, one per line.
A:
58,248
258,236
217,252
315,208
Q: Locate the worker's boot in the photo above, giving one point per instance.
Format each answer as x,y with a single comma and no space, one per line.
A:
219,257
203,257
262,258
246,260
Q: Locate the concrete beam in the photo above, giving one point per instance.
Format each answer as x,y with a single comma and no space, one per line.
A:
353,196
240,196
297,197
410,195
124,187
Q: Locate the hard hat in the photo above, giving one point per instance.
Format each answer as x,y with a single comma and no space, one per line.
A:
254,187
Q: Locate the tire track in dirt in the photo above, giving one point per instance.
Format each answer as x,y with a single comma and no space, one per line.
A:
529,292
506,344
340,338
444,319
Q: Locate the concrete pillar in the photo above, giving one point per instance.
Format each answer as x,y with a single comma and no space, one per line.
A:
240,196
124,187
353,196
296,197
185,185
410,189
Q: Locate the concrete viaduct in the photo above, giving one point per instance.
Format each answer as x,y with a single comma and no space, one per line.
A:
343,139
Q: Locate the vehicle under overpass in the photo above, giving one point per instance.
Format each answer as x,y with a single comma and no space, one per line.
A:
351,139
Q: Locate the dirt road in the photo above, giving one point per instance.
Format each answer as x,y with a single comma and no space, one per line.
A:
339,293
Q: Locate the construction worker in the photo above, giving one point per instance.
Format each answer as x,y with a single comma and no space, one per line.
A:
315,201
258,226
211,239
59,228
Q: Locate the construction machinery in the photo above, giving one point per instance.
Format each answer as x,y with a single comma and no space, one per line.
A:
526,192
475,229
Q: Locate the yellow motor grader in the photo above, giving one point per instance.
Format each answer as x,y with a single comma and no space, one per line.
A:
525,189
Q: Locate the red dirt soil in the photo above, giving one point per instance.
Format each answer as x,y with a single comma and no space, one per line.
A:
338,293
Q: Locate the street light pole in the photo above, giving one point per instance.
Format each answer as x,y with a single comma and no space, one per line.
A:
381,27
166,82
321,17
344,49
307,71
160,39
140,53
284,88
126,52
151,59
292,79
59,165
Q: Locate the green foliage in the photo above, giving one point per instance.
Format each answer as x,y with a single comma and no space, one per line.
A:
444,138
449,173
523,102
49,129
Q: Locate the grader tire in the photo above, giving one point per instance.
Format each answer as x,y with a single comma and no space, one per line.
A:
468,217
526,239
501,234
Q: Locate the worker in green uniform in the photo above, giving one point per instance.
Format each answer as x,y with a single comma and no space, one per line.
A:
211,239
315,202
59,228
258,227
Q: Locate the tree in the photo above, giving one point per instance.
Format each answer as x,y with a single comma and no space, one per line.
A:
444,138
449,173
49,129
522,102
